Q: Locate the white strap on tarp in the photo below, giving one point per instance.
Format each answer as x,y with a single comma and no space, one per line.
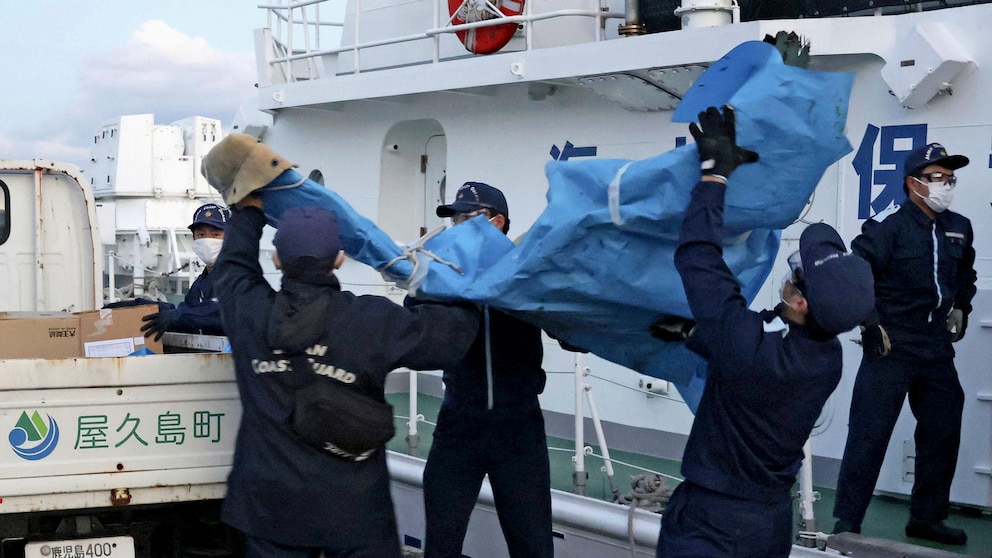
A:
412,254
613,196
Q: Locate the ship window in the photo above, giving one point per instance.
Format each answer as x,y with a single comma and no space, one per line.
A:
317,177
4,213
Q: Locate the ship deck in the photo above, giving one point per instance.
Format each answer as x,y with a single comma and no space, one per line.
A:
885,519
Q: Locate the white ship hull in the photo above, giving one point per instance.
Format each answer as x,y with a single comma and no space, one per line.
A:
397,139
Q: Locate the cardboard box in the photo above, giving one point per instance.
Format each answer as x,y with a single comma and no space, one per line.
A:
115,332
39,335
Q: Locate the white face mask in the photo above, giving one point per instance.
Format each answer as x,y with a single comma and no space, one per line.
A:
781,291
941,195
207,249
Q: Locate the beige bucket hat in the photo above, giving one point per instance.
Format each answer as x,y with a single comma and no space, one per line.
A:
239,165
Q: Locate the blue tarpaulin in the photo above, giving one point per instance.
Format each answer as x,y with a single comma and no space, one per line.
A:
362,239
596,268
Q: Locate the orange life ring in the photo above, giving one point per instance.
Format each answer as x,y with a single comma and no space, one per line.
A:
484,40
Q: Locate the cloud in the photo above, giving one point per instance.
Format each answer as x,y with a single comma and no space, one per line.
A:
157,60
159,70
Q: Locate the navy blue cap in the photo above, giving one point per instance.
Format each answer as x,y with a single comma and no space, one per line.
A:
473,196
307,232
931,154
839,285
211,214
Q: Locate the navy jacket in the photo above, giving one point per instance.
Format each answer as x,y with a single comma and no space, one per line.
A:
767,380
911,305
199,312
280,489
516,353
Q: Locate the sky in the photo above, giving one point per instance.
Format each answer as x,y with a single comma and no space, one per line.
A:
70,66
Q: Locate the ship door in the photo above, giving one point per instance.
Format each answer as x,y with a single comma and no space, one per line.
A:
435,173
414,162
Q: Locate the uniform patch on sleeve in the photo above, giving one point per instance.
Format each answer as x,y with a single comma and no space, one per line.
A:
881,215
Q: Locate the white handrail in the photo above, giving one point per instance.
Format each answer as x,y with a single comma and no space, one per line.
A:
444,30
807,495
283,14
579,474
598,425
291,5
524,19
412,436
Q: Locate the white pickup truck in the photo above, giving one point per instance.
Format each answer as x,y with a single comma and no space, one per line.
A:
104,457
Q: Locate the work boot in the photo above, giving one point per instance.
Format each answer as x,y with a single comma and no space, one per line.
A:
935,531
844,526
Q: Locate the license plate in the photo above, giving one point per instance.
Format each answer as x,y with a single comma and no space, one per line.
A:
104,547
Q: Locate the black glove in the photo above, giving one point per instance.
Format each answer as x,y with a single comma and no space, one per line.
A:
875,340
672,329
716,141
156,324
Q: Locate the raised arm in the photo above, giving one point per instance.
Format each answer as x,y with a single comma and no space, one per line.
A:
725,325
238,271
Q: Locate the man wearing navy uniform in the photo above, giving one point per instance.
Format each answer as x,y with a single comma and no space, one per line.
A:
198,312
490,422
290,497
924,264
769,373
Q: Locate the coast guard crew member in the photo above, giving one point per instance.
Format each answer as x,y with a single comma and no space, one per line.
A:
769,373
490,422
292,499
924,265
198,312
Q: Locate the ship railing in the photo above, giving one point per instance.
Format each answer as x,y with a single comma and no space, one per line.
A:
292,21
286,22
583,401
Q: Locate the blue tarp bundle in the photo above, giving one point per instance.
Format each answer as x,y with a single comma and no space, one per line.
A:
596,268
362,239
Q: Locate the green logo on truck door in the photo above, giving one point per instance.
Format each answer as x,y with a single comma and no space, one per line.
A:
35,437
32,438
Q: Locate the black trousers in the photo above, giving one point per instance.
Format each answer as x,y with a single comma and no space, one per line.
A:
937,401
702,523
261,548
512,449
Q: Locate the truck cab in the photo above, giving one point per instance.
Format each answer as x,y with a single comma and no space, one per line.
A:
49,243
